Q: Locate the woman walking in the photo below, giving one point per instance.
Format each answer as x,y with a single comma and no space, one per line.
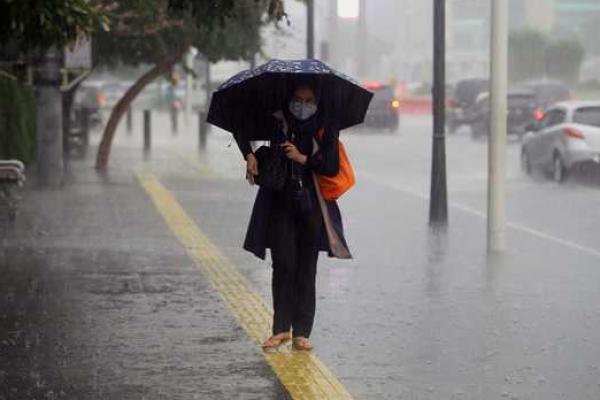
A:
296,223
295,214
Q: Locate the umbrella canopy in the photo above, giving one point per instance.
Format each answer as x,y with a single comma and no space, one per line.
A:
242,103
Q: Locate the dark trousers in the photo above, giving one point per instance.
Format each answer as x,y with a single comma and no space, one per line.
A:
294,252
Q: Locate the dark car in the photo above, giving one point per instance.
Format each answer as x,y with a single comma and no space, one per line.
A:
523,110
383,110
462,100
89,99
547,93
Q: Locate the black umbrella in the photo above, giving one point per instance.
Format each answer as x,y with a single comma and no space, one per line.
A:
244,101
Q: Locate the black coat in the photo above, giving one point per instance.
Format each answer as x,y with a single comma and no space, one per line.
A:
324,161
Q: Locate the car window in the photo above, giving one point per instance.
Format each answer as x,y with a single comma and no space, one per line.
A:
552,117
587,116
382,96
521,100
558,117
545,122
468,90
552,93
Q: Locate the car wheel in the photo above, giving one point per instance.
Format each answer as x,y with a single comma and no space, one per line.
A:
559,171
525,162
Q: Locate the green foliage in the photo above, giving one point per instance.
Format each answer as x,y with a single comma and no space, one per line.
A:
34,25
526,55
563,60
534,55
146,31
17,121
589,35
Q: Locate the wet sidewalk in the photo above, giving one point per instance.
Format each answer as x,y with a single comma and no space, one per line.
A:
99,301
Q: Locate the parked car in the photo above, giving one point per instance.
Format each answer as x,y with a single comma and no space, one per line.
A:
89,98
461,101
113,91
383,111
523,110
567,136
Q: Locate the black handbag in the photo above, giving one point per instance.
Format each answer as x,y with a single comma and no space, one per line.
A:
298,195
272,167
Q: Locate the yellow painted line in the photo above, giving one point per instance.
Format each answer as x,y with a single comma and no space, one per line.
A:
302,374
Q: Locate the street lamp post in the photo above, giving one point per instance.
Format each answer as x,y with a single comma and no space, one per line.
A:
310,29
438,201
497,140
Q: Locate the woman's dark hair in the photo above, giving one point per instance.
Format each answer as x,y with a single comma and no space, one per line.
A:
303,81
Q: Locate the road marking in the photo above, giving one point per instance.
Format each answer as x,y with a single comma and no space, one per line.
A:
302,374
467,209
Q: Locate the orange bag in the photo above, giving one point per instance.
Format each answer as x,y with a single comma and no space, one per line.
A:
333,187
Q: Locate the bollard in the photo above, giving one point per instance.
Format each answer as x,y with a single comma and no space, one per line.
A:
129,120
202,130
147,130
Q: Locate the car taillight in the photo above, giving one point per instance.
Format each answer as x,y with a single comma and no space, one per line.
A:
538,114
372,85
573,133
395,104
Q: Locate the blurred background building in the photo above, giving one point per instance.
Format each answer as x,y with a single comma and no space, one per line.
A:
392,39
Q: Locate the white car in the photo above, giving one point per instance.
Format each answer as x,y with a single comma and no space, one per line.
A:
567,136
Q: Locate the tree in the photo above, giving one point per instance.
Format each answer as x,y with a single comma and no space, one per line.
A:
526,55
33,26
563,60
159,32
535,55
33,31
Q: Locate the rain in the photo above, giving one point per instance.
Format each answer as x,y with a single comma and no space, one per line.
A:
171,169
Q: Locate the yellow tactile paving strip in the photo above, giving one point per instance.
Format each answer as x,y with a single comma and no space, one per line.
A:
302,374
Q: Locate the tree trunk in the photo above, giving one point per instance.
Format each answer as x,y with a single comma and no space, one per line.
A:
123,104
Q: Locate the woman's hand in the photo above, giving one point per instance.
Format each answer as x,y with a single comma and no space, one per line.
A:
251,168
292,152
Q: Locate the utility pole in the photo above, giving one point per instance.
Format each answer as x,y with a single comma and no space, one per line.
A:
332,33
362,39
497,141
438,201
310,29
49,119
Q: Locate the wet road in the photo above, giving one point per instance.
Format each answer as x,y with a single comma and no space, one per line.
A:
566,212
418,314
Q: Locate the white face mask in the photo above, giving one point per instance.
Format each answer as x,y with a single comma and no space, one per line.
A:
301,110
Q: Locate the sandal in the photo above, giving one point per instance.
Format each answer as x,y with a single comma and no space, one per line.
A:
275,341
301,343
